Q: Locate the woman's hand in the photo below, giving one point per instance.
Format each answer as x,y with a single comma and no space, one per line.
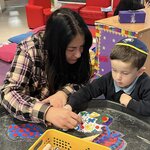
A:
58,99
62,118
68,107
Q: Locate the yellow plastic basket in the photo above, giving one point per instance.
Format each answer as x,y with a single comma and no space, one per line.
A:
65,142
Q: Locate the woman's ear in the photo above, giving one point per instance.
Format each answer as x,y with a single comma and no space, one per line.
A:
141,70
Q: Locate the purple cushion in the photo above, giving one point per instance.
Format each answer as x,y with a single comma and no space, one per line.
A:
7,52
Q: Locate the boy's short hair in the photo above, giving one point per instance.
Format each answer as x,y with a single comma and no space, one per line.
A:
130,50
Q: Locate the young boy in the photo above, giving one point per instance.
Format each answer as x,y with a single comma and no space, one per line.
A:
127,83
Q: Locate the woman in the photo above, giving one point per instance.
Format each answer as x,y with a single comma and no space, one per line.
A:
47,68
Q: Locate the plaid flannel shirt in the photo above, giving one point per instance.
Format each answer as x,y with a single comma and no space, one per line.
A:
26,83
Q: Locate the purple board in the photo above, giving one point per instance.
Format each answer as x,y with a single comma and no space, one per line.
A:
107,42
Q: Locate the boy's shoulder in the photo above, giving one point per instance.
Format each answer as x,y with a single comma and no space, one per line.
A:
144,78
107,77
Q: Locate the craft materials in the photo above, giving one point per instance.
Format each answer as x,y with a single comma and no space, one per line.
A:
47,147
91,138
93,122
112,139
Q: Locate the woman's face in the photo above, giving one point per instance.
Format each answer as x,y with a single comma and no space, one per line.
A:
75,49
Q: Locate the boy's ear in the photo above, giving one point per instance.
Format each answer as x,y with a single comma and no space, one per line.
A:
141,70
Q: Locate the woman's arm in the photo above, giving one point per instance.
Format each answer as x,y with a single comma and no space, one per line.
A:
59,99
16,91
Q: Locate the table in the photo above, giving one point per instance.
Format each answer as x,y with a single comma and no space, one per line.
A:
109,31
136,128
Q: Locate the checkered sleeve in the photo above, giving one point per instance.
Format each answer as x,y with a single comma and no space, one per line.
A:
15,93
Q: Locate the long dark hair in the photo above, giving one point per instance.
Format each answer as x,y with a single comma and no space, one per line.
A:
62,26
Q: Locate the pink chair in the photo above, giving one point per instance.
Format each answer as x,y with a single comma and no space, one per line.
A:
92,11
37,12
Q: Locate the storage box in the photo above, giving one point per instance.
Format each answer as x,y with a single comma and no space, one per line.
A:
132,16
65,142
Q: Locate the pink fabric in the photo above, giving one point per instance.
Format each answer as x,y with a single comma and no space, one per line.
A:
7,52
38,29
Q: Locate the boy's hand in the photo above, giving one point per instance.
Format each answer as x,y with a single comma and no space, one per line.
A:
124,99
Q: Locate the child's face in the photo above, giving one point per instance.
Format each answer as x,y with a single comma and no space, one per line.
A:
75,49
123,73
